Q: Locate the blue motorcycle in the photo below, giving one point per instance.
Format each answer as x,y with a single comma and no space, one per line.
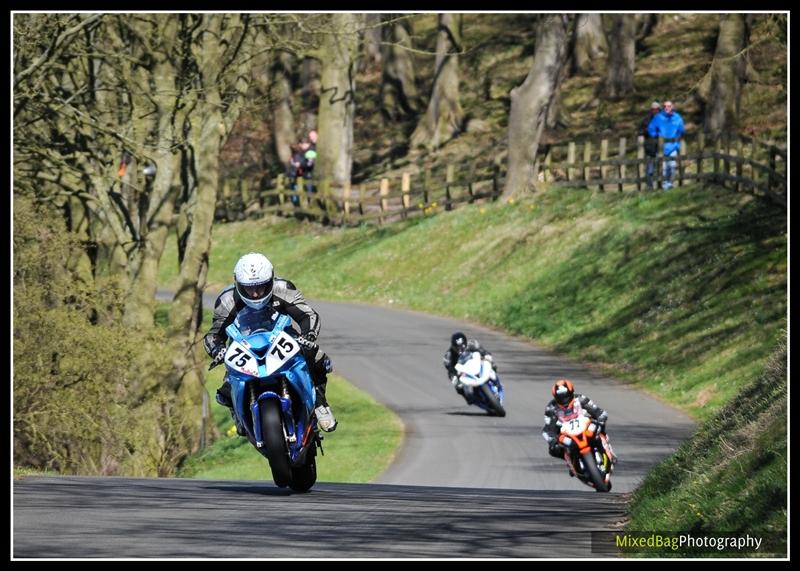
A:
273,395
480,383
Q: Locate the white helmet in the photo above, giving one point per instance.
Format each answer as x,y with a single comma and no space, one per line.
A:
253,276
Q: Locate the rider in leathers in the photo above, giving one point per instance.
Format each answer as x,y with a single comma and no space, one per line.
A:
566,405
288,300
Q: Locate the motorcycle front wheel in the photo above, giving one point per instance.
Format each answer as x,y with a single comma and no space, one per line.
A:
277,452
593,472
492,400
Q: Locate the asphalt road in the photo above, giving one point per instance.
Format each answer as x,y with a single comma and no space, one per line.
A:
462,485
396,356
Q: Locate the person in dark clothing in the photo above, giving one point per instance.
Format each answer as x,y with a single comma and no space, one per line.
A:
309,157
458,346
255,286
566,405
294,170
650,144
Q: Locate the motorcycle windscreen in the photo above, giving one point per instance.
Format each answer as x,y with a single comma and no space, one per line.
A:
473,369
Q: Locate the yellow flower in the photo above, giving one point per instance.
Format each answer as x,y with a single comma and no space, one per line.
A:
231,431
511,201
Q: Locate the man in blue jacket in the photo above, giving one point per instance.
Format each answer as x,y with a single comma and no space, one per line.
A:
669,125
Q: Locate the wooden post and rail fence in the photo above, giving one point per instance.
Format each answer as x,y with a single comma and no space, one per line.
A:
737,162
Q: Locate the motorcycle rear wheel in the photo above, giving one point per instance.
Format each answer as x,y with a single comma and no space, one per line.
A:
277,452
305,476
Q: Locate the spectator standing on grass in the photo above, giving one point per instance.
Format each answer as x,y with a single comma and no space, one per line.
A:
669,125
650,144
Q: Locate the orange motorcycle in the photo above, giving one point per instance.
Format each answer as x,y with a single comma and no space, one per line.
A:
589,455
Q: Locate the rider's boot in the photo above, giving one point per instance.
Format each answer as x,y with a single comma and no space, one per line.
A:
607,446
325,419
224,398
224,395
568,460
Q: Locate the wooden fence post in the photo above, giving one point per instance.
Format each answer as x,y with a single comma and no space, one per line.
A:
548,175
361,200
701,149
247,196
346,203
773,179
279,190
739,163
327,207
587,158
226,197
384,193
726,160
496,181
622,152
754,172
641,165
717,153
426,186
570,161
300,192
405,188
681,153
603,167
449,178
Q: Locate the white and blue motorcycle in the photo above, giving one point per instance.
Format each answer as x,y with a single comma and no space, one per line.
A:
480,383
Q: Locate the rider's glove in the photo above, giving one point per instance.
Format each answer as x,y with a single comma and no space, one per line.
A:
308,340
488,358
454,379
219,355
601,427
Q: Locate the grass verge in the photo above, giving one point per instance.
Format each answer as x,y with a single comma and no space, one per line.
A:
682,293
730,477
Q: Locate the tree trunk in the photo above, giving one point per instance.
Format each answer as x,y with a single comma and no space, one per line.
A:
337,100
371,55
82,261
310,80
727,74
158,210
281,102
530,103
221,86
143,267
399,95
644,25
444,116
589,45
621,56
